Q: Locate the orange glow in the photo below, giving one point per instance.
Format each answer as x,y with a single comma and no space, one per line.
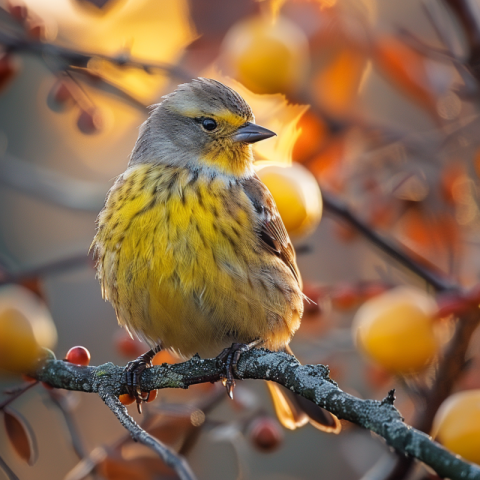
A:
275,113
337,85
151,31
288,415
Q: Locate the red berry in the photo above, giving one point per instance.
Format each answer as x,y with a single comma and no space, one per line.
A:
61,93
37,30
18,11
345,296
451,304
372,289
266,434
7,70
34,284
78,356
127,346
90,121
473,294
345,232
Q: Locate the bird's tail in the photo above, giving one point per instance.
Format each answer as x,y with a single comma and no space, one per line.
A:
294,411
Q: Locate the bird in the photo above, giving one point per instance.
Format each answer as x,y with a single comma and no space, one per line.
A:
190,248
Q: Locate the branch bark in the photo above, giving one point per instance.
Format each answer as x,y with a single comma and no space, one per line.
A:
311,381
173,460
340,210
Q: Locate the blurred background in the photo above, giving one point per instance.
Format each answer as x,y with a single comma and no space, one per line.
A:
376,105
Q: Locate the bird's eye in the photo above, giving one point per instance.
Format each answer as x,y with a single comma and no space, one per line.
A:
209,124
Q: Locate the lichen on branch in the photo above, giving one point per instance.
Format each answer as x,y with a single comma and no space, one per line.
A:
311,381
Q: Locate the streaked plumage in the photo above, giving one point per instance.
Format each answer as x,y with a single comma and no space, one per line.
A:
191,251
190,248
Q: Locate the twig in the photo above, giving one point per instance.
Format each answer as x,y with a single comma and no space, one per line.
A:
173,460
453,359
310,381
8,471
465,14
50,185
20,391
77,443
76,58
56,266
337,208
448,370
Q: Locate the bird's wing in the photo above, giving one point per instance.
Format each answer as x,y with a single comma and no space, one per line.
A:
270,227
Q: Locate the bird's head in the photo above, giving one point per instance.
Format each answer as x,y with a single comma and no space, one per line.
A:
203,123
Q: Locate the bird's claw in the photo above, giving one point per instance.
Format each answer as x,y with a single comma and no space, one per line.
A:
229,359
133,373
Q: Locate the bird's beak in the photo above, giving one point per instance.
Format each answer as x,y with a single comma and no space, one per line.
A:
251,133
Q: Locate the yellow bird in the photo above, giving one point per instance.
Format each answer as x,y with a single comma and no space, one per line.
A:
190,248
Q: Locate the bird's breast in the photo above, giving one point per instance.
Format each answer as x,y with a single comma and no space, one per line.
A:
177,246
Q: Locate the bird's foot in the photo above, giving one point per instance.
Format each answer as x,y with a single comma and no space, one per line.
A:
133,372
229,358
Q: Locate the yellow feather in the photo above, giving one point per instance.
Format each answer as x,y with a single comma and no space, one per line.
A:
177,261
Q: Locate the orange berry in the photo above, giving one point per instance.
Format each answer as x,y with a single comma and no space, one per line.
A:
126,399
152,396
266,56
457,424
164,357
397,330
78,356
128,346
297,195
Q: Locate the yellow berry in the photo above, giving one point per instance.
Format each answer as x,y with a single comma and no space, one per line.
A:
25,327
18,347
266,56
297,195
457,424
397,330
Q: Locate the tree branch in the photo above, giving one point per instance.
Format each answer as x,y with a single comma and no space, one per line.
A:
173,460
76,58
339,209
311,381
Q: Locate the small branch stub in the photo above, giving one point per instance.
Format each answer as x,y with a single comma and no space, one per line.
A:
390,398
